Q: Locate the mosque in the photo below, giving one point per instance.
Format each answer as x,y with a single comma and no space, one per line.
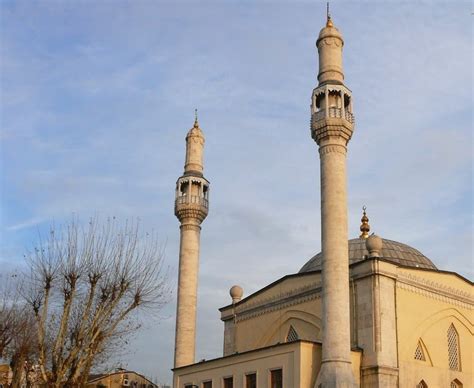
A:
364,312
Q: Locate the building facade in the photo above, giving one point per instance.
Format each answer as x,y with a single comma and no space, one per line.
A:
119,379
368,312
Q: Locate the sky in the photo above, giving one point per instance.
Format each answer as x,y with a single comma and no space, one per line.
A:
97,97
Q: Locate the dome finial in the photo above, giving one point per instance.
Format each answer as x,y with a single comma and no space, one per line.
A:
365,227
196,124
328,16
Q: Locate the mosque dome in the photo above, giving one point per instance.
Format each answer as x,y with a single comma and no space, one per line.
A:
392,251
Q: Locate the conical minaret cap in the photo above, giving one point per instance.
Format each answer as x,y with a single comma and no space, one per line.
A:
329,44
195,130
194,149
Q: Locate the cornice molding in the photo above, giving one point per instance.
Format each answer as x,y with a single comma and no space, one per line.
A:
326,149
276,302
435,290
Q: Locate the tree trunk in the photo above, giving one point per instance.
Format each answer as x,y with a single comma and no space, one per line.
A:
17,365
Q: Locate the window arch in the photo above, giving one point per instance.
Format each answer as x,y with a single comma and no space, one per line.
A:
422,384
419,353
453,349
456,384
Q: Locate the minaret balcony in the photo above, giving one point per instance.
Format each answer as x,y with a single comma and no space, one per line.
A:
333,112
191,206
193,200
332,122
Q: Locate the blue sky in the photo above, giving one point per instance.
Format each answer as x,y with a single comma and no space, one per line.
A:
97,97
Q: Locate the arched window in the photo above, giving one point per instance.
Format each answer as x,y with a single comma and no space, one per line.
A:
422,384
456,384
419,354
292,335
453,349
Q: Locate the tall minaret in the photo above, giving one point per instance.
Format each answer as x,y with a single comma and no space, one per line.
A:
332,124
191,207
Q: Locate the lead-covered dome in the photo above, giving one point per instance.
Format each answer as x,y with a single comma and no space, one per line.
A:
393,251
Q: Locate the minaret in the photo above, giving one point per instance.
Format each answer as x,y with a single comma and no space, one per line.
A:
332,124
191,207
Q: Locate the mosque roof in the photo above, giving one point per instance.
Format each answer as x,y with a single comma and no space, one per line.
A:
393,251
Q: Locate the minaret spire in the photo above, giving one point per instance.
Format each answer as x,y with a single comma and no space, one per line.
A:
328,16
332,124
191,208
364,227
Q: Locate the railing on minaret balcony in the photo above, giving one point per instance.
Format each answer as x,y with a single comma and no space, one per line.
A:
192,199
333,112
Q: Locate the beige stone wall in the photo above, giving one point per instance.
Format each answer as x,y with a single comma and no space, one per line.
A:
117,380
374,322
300,363
391,308
265,319
426,312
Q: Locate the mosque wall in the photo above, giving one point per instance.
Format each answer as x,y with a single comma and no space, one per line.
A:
435,329
392,310
266,319
299,362
373,321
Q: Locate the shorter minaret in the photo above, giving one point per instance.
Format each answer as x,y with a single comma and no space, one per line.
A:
191,207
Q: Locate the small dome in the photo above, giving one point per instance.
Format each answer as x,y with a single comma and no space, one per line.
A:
374,245
393,251
330,31
236,293
195,131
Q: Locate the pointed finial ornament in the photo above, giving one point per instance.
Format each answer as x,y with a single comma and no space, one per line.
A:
365,227
328,16
196,124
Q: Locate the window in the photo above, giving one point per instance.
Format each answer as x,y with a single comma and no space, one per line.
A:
453,349
189,386
251,380
228,382
207,384
419,354
422,384
276,378
456,384
292,335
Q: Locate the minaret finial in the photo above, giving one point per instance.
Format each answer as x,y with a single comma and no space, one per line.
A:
196,124
328,16
365,227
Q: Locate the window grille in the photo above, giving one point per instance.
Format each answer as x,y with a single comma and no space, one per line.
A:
453,348
422,384
419,354
292,335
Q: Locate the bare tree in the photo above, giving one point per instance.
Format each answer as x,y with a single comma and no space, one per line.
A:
22,350
7,312
17,329
85,283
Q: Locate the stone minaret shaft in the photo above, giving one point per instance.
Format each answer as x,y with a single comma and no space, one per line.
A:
191,207
331,127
